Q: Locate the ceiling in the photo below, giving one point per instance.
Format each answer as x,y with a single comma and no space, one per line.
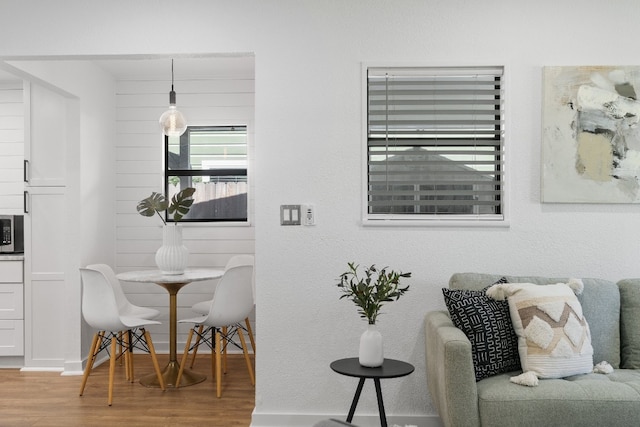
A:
184,67
154,66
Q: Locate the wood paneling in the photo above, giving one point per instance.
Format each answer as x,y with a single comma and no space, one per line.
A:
11,146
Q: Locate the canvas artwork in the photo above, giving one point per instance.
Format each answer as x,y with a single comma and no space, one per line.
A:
591,134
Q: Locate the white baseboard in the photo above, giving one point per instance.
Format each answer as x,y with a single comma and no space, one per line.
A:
73,368
308,420
41,369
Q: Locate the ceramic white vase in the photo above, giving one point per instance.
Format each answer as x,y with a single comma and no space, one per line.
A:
371,354
173,256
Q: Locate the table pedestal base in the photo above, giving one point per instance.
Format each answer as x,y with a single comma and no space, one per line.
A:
170,375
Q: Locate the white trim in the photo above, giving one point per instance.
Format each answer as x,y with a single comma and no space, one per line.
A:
215,224
40,369
308,420
430,222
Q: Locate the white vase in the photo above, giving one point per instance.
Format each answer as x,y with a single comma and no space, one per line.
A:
371,354
173,256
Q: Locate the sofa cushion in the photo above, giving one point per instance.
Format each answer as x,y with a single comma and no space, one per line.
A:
487,325
582,400
597,294
629,323
553,335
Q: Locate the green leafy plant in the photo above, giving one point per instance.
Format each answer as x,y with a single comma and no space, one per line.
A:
372,288
156,203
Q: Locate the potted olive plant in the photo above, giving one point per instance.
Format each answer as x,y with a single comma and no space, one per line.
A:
173,256
369,290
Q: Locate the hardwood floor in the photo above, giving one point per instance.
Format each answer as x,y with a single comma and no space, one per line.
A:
49,399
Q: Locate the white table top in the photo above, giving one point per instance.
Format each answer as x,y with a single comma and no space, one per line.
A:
155,276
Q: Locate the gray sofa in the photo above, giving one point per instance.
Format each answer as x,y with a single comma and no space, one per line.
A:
613,313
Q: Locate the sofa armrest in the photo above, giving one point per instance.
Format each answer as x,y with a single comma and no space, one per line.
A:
450,375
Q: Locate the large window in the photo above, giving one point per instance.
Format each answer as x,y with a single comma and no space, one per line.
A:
434,143
213,160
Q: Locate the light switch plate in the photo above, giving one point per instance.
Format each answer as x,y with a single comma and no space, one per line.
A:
290,214
308,214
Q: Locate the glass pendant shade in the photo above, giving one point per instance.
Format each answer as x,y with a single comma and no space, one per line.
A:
172,121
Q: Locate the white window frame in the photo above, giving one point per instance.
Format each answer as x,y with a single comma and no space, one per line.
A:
429,220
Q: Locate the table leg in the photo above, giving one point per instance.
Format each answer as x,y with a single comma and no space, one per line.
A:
170,372
383,416
173,325
356,397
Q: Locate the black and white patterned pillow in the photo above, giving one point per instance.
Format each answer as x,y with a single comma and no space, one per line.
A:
487,324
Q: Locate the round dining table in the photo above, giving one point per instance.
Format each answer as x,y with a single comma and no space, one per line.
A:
172,283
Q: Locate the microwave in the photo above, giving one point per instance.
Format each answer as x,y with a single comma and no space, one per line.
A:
12,227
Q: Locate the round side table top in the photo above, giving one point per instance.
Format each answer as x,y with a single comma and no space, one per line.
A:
156,276
390,368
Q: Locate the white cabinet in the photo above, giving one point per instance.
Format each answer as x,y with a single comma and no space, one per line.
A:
11,308
45,249
46,230
45,137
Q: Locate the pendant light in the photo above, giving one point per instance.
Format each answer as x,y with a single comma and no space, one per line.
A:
172,121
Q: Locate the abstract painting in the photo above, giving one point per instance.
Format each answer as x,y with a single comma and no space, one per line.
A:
591,134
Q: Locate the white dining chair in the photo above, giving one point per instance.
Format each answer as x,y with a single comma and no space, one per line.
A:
232,302
202,307
125,307
100,311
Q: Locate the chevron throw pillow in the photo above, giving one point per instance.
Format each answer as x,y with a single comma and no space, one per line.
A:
554,340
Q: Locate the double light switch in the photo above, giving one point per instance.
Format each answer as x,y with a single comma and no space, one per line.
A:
297,215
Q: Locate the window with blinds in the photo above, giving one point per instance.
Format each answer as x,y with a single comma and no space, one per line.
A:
434,143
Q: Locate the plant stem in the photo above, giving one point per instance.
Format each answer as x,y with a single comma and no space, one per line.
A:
163,221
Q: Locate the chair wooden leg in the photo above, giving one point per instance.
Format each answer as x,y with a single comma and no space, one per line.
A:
112,368
246,357
213,353
128,358
123,338
195,347
225,331
154,358
184,357
97,339
250,333
130,354
218,365
120,350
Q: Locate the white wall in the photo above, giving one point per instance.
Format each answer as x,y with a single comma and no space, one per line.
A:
309,148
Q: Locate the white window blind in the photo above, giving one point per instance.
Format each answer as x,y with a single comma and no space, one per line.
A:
435,143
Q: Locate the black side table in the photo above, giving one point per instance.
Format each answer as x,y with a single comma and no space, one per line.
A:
390,369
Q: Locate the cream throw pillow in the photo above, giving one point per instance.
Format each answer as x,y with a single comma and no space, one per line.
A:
553,335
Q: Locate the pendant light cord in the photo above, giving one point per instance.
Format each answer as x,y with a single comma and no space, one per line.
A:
172,94
171,74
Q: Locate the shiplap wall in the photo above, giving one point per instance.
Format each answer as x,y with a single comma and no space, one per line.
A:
226,98
11,147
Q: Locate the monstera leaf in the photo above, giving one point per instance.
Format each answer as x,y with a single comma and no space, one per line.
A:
157,203
181,203
154,204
